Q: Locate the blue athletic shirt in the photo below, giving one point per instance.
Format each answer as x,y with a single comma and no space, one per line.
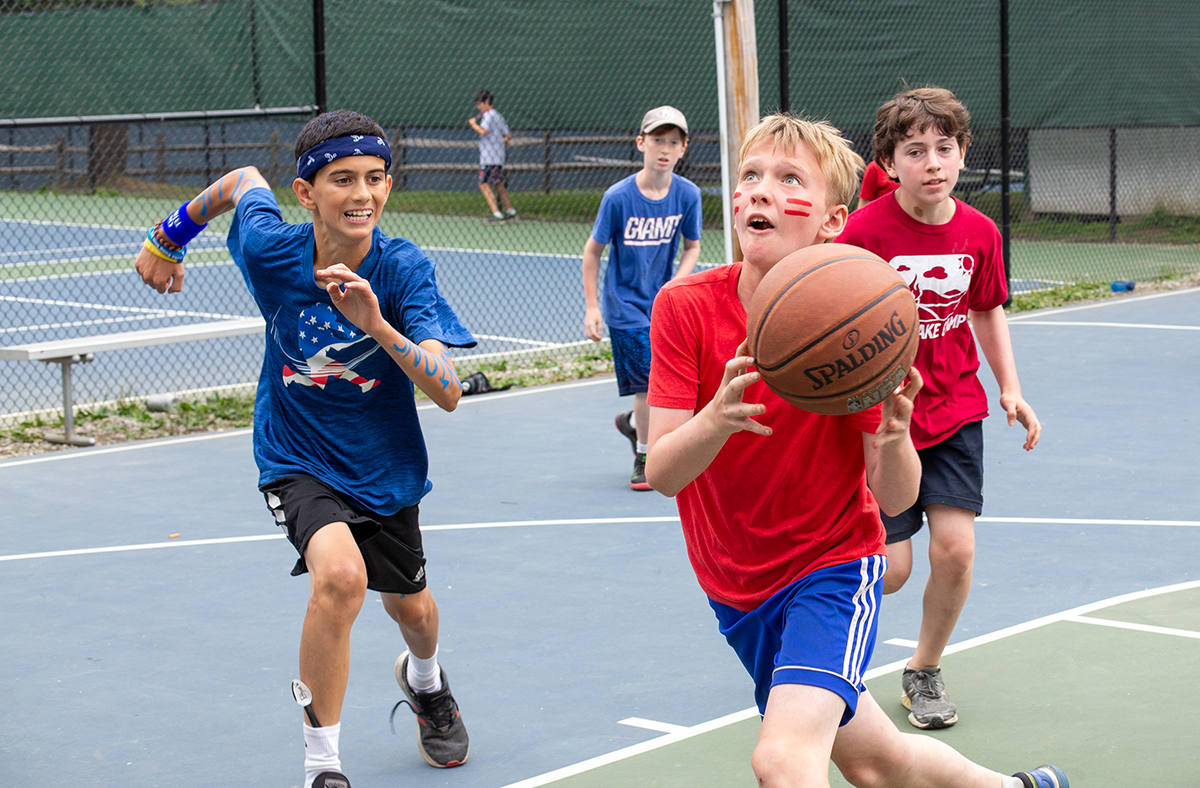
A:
332,404
643,236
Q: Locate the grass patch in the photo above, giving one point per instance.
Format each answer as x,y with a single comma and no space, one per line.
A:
1059,296
130,420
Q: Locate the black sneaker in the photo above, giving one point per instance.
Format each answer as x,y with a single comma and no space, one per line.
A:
331,780
441,734
638,480
622,422
1043,777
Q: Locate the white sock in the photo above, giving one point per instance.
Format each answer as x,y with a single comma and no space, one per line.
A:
497,214
1011,782
633,420
423,674
321,751
642,448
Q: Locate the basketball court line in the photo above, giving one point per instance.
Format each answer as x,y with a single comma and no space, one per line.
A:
1028,317
1074,615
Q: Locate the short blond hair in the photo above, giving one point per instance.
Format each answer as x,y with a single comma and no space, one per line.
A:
839,163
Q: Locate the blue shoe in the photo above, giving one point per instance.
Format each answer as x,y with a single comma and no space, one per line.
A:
1044,777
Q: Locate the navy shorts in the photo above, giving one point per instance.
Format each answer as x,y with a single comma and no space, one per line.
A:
951,475
819,631
390,544
492,174
631,359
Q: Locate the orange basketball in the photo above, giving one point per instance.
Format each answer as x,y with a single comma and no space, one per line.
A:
832,329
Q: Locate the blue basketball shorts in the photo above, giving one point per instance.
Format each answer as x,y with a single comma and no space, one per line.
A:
951,475
631,359
819,631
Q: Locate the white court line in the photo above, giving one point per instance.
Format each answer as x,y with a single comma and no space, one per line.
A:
1027,316
903,642
652,725
1106,325
114,307
461,527
260,538
1085,521
1105,622
730,719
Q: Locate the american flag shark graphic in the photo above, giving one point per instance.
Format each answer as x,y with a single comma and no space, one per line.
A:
322,334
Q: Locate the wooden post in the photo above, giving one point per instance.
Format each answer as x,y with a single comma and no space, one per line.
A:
741,89
399,158
160,157
546,161
273,158
60,162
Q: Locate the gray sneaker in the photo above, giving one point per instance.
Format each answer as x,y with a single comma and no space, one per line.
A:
441,735
925,698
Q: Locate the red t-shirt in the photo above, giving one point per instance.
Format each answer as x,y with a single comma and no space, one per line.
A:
950,268
771,509
876,183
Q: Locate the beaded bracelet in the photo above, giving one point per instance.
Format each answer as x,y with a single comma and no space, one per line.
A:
156,247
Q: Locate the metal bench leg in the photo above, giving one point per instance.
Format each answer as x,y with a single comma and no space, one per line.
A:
69,437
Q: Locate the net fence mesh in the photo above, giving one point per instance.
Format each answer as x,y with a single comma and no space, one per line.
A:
1103,167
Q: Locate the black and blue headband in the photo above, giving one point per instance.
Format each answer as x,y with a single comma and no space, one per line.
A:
318,156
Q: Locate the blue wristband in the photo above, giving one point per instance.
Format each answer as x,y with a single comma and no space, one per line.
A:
180,228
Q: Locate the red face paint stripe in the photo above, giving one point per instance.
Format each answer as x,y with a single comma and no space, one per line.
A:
799,202
735,208
794,213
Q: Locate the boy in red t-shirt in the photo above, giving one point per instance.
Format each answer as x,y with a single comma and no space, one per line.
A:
875,184
779,506
950,255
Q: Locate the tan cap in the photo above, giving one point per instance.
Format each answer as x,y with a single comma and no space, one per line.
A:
663,116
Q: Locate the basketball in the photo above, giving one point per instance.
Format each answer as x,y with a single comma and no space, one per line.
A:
832,329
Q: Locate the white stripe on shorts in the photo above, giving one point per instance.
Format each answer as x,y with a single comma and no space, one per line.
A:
871,571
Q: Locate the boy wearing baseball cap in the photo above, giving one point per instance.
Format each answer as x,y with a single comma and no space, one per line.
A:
642,217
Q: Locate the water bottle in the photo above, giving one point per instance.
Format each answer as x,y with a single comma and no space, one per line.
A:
1123,286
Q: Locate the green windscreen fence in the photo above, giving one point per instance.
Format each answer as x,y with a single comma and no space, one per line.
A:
1102,165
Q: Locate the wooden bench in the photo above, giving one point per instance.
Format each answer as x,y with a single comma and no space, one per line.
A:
80,350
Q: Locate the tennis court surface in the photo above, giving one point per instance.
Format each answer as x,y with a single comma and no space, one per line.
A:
580,648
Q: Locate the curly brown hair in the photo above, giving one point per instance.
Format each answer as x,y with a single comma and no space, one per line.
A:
914,111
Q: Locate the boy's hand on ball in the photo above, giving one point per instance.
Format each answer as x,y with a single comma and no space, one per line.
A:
897,410
731,413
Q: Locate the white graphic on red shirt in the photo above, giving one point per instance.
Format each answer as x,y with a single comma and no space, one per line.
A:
939,282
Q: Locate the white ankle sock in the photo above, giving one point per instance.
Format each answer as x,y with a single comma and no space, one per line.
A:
423,674
1011,782
633,420
642,448
321,751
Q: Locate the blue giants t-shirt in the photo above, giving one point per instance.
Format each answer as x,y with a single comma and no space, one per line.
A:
332,404
643,236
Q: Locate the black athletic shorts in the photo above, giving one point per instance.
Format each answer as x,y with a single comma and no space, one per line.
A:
390,544
951,474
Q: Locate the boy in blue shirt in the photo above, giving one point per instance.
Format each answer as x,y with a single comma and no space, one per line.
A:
354,320
642,217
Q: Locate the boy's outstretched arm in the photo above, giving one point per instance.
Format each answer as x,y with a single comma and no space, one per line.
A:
426,364
991,328
682,443
593,320
166,276
893,467
691,256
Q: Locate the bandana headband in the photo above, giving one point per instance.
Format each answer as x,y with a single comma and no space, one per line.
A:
318,156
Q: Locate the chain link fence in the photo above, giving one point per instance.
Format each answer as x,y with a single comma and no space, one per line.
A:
112,113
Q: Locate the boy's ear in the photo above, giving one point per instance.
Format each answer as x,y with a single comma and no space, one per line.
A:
835,222
889,166
641,143
303,190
